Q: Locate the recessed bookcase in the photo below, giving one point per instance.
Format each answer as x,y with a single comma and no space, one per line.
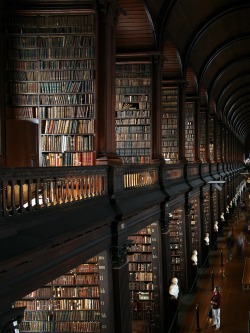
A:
211,139
177,244
143,258
195,223
215,205
170,123
206,207
226,145
202,133
133,111
50,75
190,131
219,142
73,302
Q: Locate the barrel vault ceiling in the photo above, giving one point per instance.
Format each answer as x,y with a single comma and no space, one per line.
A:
205,43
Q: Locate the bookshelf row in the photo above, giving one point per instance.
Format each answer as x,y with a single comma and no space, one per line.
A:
170,122
54,53
74,315
50,326
36,42
68,126
177,243
51,64
133,102
51,87
202,134
52,21
51,112
50,76
195,223
143,279
64,143
76,299
68,159
68,289
190,131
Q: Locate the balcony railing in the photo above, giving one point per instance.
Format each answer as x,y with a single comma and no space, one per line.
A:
23,190
26,189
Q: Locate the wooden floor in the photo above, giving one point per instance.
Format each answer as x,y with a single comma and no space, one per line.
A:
235,303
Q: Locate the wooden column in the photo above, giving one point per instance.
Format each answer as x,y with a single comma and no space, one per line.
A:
105,103
122,311
166,266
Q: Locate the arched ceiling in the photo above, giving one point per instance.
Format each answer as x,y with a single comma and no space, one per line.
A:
212,40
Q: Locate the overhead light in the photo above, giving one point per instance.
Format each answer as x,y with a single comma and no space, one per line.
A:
216,181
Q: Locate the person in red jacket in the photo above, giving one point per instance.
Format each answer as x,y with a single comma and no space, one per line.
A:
215,304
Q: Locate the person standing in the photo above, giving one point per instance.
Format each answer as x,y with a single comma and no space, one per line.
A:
240,244
230,242
215,304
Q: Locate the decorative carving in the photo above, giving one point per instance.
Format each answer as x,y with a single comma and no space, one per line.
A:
119,254
111,10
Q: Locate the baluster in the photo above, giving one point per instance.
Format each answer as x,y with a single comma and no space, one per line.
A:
81,188
13,201
92,189
56,192
71,190
50,194
77,190
29,207
88,187
44,193
63,190
37,196
4,197
21,208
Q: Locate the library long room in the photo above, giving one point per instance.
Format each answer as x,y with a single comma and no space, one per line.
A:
125,166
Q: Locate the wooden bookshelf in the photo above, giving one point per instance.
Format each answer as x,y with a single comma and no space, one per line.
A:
211,139
177,244
215,205
202,133
50,76
219,142
170,124
190,131
206,206
143,258
73,302
195,223
133,111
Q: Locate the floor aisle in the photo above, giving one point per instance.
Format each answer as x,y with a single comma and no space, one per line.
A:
235,305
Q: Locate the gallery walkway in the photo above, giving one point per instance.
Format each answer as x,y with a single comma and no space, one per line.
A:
235,307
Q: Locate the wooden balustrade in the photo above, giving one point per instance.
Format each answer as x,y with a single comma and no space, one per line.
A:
23,190
140,176
26,189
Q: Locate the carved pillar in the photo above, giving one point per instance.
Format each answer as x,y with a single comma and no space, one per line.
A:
106,83
122,311
166,260
190,275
